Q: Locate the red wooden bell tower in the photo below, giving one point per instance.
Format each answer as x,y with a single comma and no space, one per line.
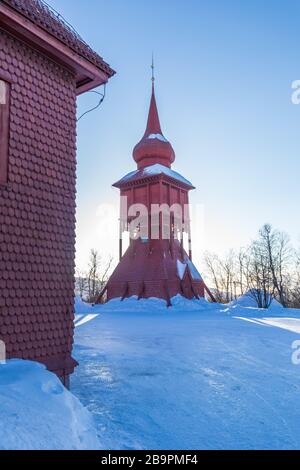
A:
155,263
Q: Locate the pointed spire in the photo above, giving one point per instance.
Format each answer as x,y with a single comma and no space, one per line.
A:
153,124
153,148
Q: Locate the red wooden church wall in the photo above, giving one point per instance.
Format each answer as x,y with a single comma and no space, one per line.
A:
37,209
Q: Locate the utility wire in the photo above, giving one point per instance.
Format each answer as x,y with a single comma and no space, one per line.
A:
102,95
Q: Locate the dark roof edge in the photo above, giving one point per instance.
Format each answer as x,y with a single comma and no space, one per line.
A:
43,16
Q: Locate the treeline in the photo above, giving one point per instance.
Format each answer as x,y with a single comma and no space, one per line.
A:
269,268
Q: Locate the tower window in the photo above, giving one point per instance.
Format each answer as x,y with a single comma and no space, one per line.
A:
4,129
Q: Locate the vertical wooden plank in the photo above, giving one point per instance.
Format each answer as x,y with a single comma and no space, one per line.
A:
4,130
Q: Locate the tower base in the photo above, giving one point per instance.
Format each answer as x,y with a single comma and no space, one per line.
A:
155,268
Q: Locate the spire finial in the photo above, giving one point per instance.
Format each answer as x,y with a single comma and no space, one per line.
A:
152,67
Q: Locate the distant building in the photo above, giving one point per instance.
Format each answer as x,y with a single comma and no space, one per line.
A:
155,263
44,65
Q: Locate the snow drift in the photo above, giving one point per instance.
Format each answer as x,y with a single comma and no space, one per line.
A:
81,306
38,413
248,300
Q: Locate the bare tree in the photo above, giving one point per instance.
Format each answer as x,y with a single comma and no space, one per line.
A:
223,275
104,277
293,291
93,275
228,275
278,251
258,275
212,261
263,270
81,283
97,275
242,270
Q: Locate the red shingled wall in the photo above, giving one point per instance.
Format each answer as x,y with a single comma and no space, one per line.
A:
37,209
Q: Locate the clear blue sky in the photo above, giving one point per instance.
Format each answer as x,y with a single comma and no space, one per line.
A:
224,71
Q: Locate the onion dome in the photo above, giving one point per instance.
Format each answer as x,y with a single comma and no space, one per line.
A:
153,147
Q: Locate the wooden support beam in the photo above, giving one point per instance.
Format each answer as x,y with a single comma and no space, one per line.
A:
125,291
210,293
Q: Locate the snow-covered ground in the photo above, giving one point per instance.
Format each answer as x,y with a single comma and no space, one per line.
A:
37,412
192,376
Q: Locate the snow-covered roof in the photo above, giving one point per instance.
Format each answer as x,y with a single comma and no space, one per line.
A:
156,169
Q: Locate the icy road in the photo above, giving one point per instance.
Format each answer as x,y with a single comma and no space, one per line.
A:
195,376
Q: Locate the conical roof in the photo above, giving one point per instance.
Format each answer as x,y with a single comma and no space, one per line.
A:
153,147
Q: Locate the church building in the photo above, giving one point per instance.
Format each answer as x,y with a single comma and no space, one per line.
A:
44,66
156,263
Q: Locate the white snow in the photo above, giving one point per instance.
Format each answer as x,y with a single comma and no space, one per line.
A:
190,376
248,300
155,169
193,270
84,319
158,137
196,375
290,324
81,306
181,267
38,413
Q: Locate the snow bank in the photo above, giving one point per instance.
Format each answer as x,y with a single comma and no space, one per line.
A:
80,306
152,305
245,305
182,305
38,413
247,300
